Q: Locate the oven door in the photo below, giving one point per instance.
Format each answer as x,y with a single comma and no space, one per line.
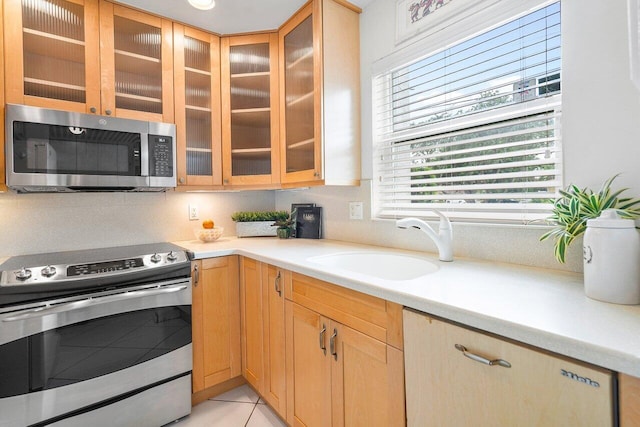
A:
76,355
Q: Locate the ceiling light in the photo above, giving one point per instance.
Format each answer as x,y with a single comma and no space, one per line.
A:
202,4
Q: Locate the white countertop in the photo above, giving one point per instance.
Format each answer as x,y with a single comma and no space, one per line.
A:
543,308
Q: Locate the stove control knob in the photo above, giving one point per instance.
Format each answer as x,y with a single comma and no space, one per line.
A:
48,271
156,258
172,256
23,274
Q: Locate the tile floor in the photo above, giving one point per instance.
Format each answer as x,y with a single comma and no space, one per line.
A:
240,407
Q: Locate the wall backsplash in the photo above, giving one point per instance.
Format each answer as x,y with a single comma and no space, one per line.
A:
35,223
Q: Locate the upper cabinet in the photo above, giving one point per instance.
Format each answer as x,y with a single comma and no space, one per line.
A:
265,110
250,110
197,103
320,95
52,46
89,56
136,59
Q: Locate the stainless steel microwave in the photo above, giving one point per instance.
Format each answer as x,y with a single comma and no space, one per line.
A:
59,151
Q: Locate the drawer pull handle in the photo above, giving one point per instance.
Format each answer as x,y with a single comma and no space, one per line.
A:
484,360
196,275
332,344
276,283
323,347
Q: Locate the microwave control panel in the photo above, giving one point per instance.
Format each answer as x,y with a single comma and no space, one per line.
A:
160,156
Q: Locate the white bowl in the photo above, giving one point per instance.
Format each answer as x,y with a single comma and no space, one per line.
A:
208,234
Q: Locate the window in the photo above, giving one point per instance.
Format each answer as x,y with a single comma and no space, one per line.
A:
474,129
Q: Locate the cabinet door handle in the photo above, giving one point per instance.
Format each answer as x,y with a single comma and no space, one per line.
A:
196,275
484,360
332,344
276,284
323,331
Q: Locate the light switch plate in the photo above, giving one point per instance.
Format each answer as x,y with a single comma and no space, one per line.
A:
356,210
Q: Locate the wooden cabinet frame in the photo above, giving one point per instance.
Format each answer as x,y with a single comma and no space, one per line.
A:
185,181
336,56
226,43
215,322
99,61
273,303
629,400
107,62
344,354
252,323
14,77
263,330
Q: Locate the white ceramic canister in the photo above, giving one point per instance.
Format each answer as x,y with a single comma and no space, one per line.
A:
611,253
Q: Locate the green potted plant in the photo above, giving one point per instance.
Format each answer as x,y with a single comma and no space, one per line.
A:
284,227
257,223
577,205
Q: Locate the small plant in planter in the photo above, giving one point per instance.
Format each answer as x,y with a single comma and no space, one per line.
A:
254,216
284,227
577,205
257,223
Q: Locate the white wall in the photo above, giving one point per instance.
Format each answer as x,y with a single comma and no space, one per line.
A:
35,223
600,129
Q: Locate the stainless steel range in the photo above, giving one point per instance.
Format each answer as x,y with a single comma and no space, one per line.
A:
96,337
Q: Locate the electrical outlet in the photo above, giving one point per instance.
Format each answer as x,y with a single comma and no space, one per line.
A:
356,210
193,212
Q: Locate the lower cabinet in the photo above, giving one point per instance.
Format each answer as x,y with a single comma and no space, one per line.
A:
323,355
337,375
263,331
319,354
456,376
309,379
629,401
252,323
215,321
274,385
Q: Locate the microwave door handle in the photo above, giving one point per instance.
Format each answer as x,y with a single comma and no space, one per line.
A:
74,305
144,154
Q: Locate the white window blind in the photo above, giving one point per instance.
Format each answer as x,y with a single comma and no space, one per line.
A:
474,130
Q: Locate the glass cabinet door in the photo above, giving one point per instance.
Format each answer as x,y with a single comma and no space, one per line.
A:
300,105
137,64
197,99
53,45
250,109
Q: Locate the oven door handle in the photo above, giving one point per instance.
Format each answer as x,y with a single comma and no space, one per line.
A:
87,302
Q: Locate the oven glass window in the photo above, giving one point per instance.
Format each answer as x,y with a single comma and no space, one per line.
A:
92,348
51,149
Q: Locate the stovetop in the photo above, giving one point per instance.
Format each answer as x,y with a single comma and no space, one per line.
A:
75,271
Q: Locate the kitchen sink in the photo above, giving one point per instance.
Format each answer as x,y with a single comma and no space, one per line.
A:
381,265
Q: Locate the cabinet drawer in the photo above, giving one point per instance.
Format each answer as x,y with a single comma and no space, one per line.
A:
538,389
370,315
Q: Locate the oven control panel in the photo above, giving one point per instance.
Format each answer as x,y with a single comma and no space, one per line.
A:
104,267
40,274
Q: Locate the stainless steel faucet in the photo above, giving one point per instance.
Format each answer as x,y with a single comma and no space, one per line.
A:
444,238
